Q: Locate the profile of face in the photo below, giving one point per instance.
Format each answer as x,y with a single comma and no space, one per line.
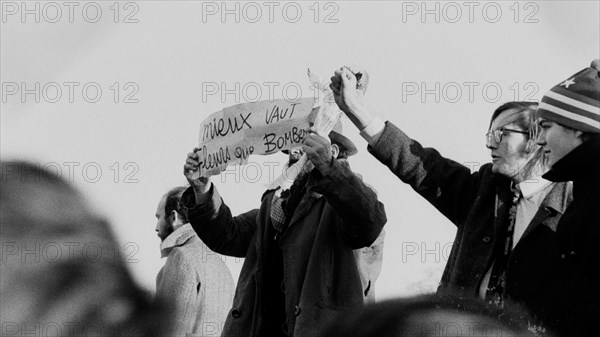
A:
557,140
509,152
164,223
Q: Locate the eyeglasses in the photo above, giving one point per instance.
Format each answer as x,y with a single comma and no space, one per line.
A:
497,134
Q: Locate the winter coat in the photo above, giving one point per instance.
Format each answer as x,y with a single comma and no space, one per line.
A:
477,203
578,240
197,284
337,214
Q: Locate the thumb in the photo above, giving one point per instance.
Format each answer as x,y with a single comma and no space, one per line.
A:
348,78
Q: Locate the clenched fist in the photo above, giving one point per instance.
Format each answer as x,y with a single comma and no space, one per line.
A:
348,92
201,185
318,149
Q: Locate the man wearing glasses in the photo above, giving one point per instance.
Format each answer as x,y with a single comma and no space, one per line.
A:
506,214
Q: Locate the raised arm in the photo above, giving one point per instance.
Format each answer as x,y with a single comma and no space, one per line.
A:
211,218
363,216
446,184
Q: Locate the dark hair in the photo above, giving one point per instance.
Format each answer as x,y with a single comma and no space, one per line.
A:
173,203
585,136
423,315
89,295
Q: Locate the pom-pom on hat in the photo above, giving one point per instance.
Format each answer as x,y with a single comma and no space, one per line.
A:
575,103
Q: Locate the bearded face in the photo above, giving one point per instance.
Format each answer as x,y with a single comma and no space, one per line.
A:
294,156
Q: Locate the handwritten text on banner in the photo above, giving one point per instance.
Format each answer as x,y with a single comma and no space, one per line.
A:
231,135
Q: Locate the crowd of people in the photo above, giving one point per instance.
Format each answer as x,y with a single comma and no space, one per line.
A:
521,263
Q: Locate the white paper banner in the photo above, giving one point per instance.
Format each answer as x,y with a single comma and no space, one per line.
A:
230,136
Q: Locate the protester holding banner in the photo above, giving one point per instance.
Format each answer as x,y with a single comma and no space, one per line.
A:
300,272
506,214
570,137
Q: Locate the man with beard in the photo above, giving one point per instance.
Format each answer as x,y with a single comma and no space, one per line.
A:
194,281
505,213
299,272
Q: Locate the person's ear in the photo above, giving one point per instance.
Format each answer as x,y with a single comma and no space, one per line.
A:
173,216
335,150
530,145
580,137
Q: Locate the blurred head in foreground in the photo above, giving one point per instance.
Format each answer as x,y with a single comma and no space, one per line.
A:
63,272
431,315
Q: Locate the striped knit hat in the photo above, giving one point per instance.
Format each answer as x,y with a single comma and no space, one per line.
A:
575,103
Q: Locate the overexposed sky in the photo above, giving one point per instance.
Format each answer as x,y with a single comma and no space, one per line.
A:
111,95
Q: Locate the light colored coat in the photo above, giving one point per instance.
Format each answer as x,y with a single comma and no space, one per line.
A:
196,282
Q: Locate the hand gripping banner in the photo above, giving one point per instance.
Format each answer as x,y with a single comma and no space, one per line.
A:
230,136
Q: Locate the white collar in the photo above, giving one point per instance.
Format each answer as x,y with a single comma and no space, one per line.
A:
532,186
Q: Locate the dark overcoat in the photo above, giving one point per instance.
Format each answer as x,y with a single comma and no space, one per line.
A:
477,203
578,241
338,214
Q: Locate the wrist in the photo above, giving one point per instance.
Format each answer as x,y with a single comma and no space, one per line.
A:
326,168
361,116
201,192
372,131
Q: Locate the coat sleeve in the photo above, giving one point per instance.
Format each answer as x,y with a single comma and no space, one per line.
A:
179,286
446,184
362,214
216,227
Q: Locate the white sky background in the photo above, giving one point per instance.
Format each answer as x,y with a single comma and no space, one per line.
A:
172,53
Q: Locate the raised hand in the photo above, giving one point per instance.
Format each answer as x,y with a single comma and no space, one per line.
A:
201,185
348,93
318,150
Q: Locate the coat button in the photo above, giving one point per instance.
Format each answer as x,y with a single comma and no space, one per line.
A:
236,313
297,310
486,239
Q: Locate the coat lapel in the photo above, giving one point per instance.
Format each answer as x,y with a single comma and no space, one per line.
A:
307,200
555,202
304,206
